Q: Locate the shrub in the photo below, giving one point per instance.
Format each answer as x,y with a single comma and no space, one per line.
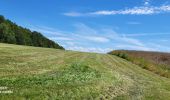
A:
158,68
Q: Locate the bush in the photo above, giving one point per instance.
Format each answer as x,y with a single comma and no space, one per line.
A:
160,69
121,55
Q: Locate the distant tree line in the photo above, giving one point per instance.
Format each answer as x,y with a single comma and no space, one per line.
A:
14,34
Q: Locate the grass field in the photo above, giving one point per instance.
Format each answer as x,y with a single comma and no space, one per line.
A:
42,73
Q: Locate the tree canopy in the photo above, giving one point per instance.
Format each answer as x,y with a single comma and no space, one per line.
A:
14,34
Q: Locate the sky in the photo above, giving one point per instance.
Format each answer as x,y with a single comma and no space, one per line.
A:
96,25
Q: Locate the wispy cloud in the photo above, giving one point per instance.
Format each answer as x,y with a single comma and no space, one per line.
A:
97,39
111,34
47,30
146,2
71,43
90,49
73,14
103,35
61,38
143,10
101,40
146,34
159,47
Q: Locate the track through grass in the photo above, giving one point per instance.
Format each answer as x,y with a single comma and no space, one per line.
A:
42,73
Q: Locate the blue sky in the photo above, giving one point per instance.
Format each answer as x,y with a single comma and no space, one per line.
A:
96,25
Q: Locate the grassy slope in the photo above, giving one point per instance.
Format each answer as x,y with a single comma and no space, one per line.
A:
156,62
42,73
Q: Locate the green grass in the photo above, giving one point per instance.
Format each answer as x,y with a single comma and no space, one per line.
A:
50,74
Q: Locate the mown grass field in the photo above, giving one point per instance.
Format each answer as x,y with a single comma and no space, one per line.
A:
50,74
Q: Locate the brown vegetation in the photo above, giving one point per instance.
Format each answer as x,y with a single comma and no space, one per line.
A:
156,62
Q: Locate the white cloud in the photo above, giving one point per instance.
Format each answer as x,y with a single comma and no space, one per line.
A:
143,10
165,8
47,30
107,36
70,43
97,39
84,29
121,38
73,14
133,11
158,47
132,41
86,33
101,40
103,35
146,2
89,49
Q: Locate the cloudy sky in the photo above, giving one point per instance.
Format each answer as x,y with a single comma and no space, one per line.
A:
96,25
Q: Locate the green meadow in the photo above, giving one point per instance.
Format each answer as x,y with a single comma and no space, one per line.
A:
52,74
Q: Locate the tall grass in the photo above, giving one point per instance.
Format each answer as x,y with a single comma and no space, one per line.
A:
160,69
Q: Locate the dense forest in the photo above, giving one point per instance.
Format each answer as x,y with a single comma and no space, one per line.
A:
14,34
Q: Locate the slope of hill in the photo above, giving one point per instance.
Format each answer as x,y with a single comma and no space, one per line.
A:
156,62
14,34
43,73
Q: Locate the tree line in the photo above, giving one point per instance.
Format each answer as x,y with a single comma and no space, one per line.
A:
14,34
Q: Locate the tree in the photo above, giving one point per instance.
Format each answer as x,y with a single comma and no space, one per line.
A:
12,33
2,19
6,34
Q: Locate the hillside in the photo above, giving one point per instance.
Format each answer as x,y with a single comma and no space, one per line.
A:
157,62
44,73
14,34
